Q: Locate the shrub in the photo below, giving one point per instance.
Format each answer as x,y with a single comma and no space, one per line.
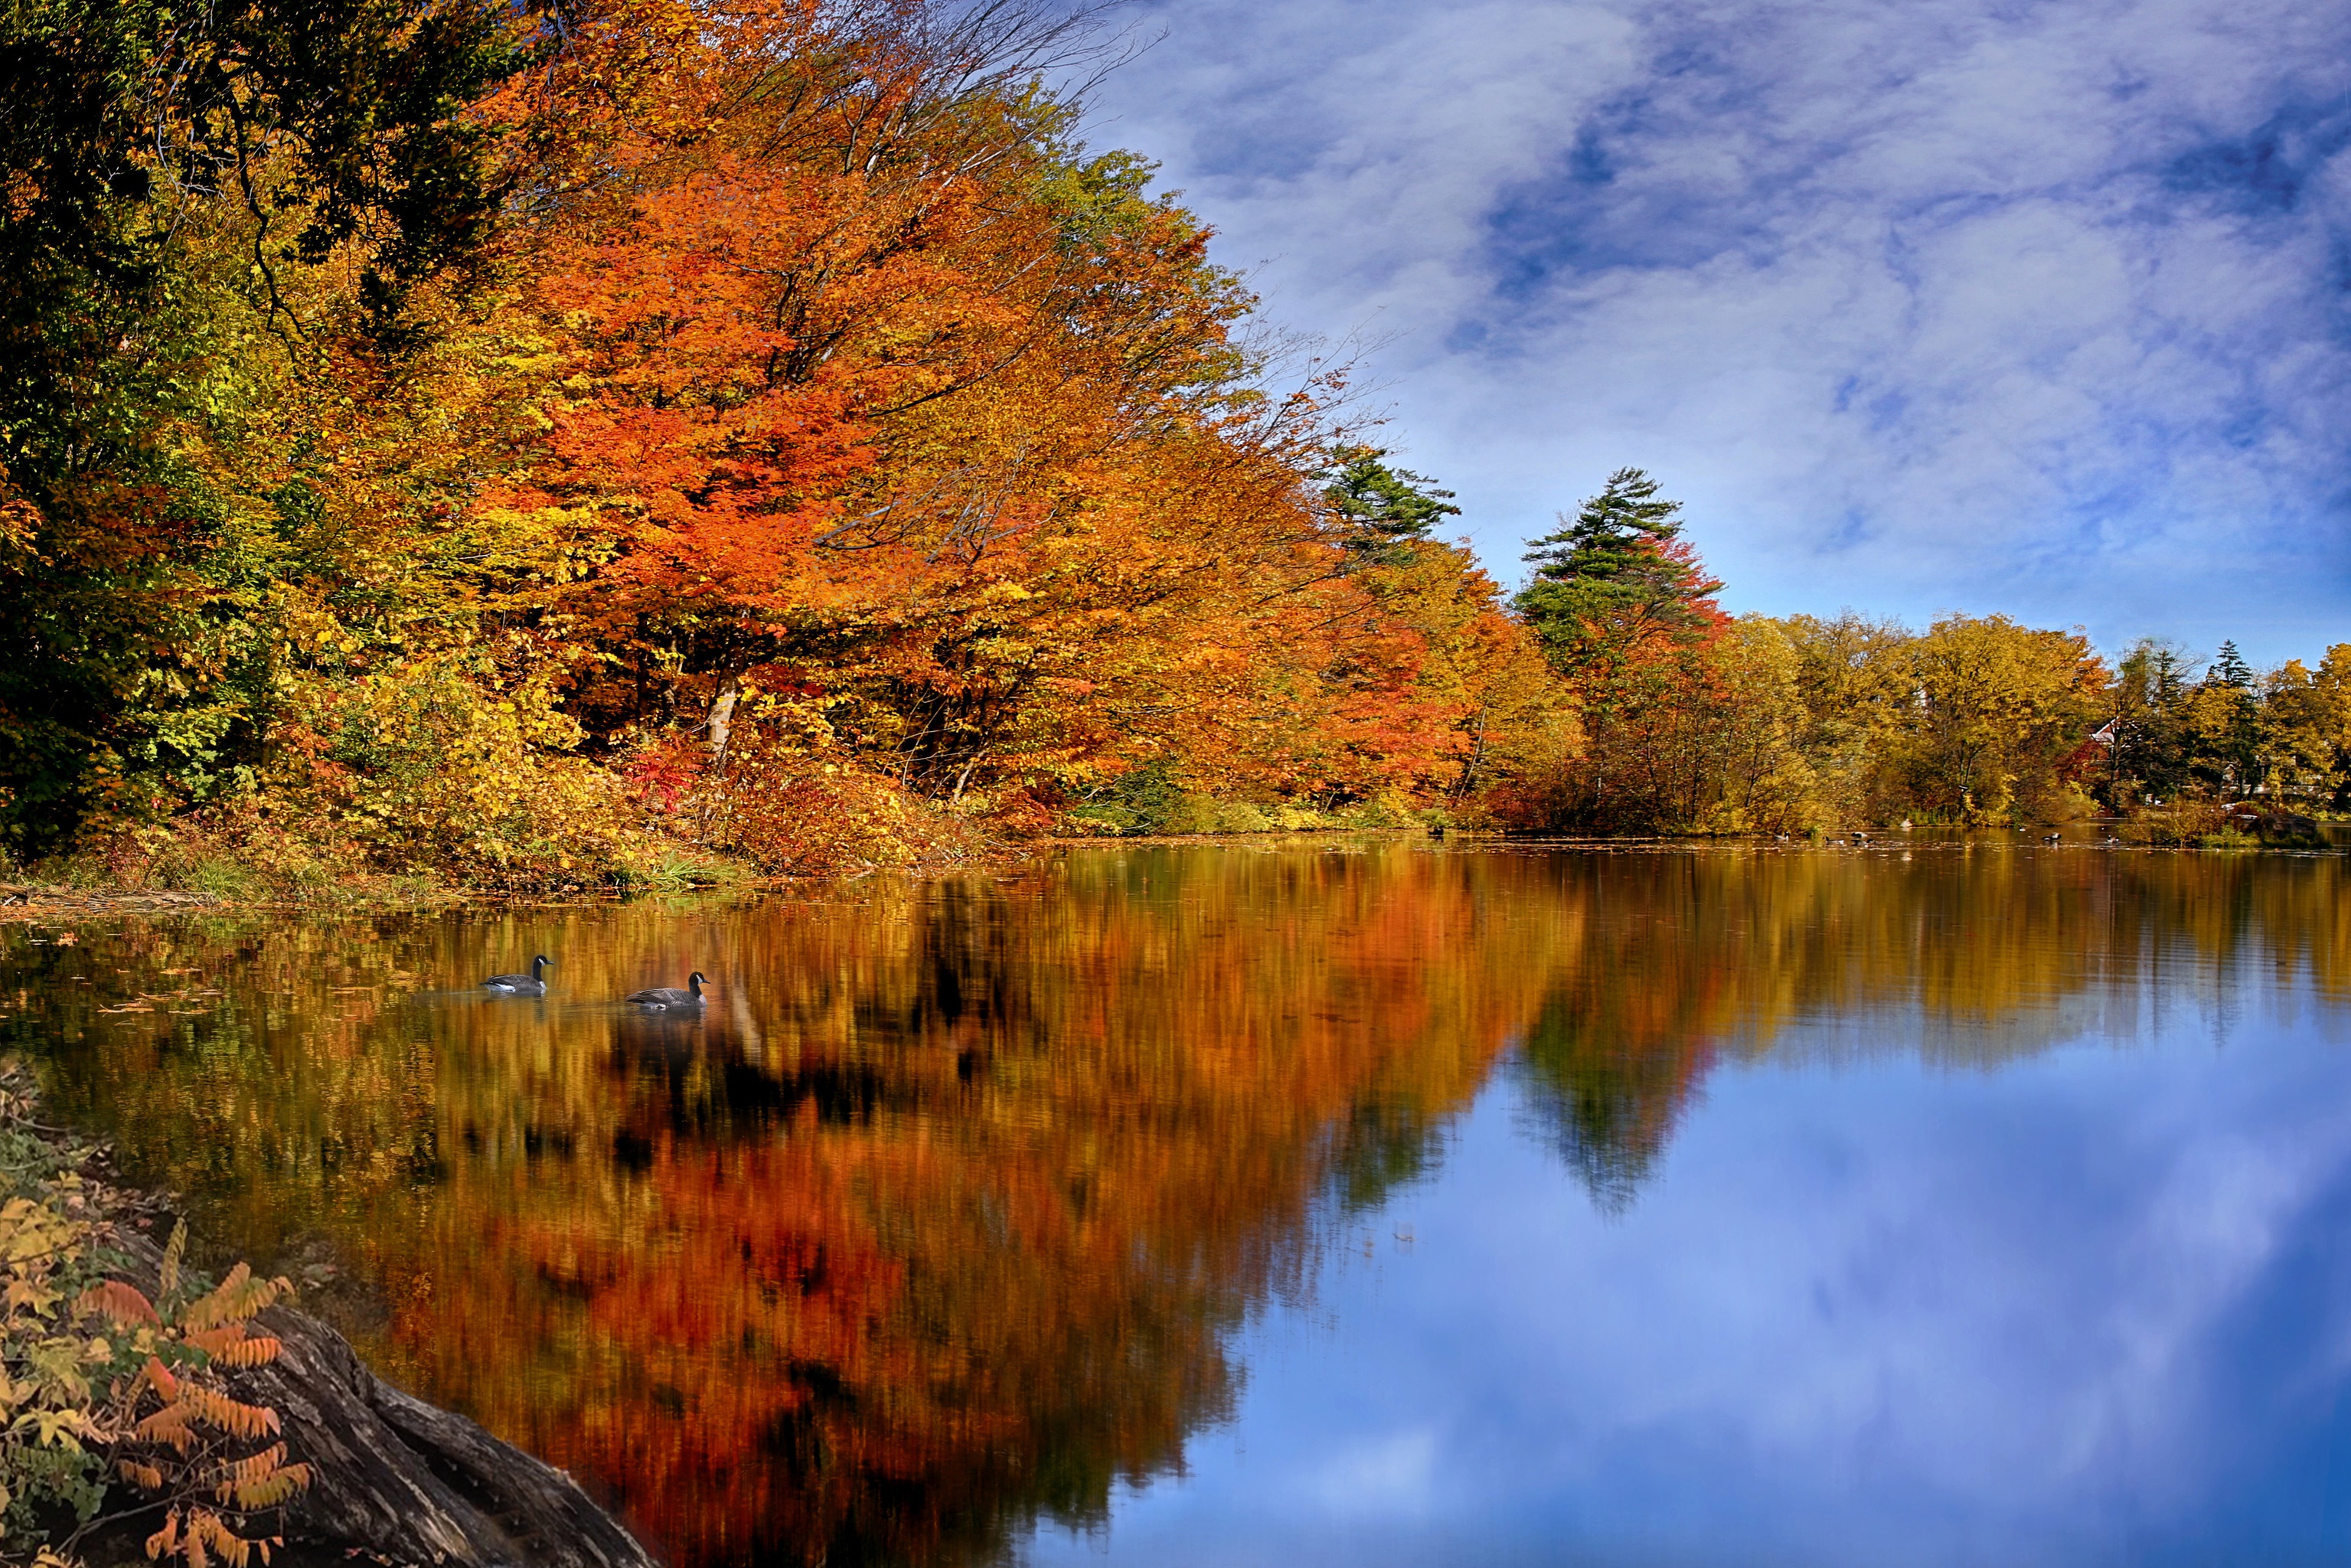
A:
100,1382
814,813
2183,824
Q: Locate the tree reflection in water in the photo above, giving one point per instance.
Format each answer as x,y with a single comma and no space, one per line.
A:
943,1214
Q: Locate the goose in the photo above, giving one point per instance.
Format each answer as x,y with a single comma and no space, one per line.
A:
531,985
670,996
2051,838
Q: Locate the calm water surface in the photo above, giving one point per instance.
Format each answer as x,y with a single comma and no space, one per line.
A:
1379,1204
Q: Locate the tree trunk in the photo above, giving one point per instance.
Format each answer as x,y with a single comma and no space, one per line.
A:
721,723
965,776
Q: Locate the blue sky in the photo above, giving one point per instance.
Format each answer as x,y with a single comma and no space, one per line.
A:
2021,306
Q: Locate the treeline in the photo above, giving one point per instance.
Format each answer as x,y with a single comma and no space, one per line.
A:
543,442
1694,721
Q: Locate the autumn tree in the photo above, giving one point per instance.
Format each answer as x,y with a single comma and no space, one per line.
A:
2305,730
2221,718
1996,707
917,431
1845,682
142,142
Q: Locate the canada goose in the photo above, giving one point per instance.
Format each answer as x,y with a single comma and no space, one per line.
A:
531,985
670,996
2051,837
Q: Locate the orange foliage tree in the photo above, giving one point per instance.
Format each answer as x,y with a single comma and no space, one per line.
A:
917,441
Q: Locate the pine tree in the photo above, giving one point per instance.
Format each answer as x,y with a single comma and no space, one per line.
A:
1378,509
2228,669
1616,572
2224,719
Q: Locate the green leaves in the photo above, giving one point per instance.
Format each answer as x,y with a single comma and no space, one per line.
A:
1377,509
1615,578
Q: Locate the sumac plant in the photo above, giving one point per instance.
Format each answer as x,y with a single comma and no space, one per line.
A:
102,1384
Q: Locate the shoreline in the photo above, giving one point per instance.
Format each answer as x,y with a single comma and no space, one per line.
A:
390,1478
32,901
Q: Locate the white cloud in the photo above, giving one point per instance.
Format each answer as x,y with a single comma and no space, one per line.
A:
1382,1477
2029,306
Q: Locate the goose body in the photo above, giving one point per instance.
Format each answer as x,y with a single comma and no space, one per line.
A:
531,985
670,996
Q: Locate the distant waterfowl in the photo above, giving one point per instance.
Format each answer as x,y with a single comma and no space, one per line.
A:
531,985
670,996
2051,838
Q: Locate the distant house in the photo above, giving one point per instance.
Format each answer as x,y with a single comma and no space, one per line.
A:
2085,758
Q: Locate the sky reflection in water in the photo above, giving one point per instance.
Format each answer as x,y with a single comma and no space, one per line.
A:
2091,1307
1408,1205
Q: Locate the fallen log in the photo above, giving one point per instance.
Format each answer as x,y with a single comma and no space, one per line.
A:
394,1480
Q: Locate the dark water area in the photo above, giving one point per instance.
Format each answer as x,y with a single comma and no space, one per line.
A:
1368,1203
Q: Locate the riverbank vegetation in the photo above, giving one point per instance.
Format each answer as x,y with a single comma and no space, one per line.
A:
113,1409
552,444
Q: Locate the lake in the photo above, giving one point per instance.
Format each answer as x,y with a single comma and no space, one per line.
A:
1374,1202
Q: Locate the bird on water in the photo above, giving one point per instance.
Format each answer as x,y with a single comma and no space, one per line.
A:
670,996
531,985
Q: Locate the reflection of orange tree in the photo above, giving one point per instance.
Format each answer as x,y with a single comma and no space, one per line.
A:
969,1244
944,1212
718,1336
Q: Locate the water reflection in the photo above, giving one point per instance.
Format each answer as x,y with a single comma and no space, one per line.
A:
947,1210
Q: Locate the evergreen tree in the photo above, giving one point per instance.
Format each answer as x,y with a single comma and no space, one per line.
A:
2150,742
1378,509
2228,669
1617,570
2224,720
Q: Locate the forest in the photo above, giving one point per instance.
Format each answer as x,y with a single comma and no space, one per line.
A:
624,441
